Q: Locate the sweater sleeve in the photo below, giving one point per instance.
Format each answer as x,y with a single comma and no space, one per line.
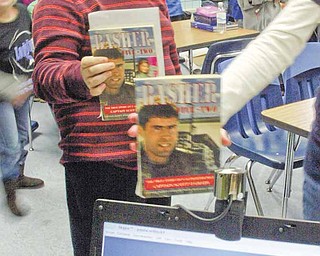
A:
268,55
173,56
59,32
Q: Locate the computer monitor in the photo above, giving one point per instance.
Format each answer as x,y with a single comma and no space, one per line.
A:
126,228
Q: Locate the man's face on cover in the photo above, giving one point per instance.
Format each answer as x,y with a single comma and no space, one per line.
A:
115,81
160,137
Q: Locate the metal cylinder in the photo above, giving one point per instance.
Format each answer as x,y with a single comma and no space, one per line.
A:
230,181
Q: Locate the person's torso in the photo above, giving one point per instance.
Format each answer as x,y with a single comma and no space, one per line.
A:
315,133
16,46
84,137
257,14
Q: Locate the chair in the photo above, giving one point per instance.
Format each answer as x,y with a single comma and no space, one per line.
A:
217,53
259,142
266,144
33,125
302,78
221,51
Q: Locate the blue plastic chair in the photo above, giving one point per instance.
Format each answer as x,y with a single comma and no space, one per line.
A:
301,81
302,78
34,125
253,139
262,143
221,51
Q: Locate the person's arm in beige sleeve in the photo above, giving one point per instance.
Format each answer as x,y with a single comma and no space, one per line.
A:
268,55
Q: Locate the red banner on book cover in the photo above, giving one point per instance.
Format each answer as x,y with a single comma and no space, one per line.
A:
176,182
119,109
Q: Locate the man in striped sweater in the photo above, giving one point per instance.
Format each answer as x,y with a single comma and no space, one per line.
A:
96,155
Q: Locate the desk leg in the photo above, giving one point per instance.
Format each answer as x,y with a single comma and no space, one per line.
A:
191,61
288,172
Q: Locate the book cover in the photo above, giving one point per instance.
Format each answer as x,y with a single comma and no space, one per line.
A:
178,134
136,50
211,28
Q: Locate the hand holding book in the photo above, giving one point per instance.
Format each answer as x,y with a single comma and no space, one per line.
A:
95,71
133,131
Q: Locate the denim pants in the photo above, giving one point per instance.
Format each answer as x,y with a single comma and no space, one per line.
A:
311,185
13,138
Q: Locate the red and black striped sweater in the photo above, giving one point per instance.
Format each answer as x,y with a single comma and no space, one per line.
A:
60,32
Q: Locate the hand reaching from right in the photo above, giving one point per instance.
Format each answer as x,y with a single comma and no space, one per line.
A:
225,139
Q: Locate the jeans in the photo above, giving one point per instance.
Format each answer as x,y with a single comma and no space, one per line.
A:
13,138
88,181
311,185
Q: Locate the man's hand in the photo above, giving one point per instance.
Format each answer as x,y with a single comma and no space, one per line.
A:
94,71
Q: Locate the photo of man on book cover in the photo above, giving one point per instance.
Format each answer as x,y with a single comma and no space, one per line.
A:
158,129
117,92
178,134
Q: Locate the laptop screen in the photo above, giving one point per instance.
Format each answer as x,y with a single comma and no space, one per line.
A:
120,239
122,234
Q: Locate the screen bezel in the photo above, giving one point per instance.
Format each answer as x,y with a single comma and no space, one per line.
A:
168,217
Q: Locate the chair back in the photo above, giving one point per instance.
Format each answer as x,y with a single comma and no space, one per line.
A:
302,78
248,121
262,143
268,98
221,51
